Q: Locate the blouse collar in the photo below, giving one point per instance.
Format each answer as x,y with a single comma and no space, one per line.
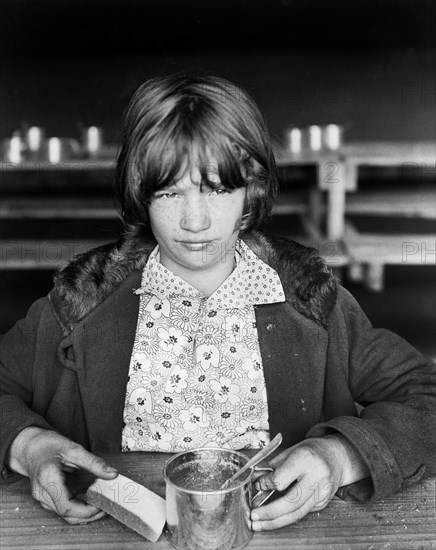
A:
252,282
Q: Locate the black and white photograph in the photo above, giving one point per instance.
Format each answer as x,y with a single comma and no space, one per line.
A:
217,274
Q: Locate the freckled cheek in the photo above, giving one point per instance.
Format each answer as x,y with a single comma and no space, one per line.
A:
231,216
224,221
164,217
227,211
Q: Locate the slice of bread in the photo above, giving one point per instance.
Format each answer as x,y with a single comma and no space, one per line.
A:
130,503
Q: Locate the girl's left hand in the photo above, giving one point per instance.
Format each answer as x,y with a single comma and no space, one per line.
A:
313,470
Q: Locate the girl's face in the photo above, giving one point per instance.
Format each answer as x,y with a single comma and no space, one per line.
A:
197,226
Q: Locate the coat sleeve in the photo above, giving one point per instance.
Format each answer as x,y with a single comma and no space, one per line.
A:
17,358
395,432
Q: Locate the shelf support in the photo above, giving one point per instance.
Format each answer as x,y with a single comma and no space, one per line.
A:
334,177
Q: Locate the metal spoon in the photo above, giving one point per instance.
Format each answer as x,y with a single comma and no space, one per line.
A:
258,457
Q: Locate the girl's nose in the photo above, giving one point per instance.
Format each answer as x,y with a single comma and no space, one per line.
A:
195,216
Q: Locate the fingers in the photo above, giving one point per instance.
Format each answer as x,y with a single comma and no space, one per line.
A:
75,516
303,497
288,467
308,480
78,457
48,447
279,458
277,515
46,455
53,494
269,465
73,520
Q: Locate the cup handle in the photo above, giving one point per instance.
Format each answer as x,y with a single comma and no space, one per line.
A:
262,496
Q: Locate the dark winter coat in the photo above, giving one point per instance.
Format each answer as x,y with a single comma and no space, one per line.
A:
65,366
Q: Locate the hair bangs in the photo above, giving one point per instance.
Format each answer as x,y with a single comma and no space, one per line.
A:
176,151
164,160
218,157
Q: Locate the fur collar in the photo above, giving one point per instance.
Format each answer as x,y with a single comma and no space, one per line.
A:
91,277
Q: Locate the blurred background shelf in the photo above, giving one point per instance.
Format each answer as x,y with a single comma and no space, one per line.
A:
386,153
323,199
40,254
70,207
369,254
403,203
406,193
73,164
382,153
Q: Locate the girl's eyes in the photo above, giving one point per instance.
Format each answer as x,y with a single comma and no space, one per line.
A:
221,191
166,196
172,195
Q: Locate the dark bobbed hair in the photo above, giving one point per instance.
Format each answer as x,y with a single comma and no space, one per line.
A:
179,122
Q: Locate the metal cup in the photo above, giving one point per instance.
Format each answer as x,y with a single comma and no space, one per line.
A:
200,516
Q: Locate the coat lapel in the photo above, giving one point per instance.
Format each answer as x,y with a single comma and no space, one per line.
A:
103,344
293,352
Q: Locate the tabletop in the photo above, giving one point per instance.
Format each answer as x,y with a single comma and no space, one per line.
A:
405,521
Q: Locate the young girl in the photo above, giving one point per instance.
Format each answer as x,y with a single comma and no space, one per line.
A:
196,329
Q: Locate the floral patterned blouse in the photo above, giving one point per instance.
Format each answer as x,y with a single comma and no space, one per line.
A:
195,376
